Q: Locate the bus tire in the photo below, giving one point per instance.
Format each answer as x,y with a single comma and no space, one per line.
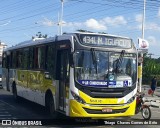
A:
14,90
50,105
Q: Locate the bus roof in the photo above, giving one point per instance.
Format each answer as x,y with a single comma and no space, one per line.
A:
38,41
58,38
101,34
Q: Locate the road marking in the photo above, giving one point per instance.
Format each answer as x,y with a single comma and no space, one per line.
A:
8,104
155,111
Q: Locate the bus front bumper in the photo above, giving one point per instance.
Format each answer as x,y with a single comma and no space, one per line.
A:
80,110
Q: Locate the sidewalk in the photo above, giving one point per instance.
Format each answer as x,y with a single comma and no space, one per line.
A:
145,89
4,92
154,100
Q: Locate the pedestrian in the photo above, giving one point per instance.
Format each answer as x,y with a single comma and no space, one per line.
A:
153,84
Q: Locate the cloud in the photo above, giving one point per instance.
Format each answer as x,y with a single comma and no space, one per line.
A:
73,24
47,22
149,26
3,24
152,41
152,26
114,21
138,18
95,25
99,25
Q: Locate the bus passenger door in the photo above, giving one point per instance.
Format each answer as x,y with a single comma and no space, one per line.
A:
63,75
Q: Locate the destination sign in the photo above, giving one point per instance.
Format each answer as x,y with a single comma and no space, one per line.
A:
105,40
103,83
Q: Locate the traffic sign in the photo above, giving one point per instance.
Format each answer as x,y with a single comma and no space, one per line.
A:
140,59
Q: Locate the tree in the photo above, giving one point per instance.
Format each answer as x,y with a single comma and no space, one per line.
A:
151,67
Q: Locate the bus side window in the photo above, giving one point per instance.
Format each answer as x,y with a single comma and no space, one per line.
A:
11,60
31,58
50,59
19,59
4,60
25,58
39,57
14,59
36,57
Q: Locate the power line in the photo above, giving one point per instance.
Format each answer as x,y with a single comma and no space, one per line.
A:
120,4
26,6
52,10
48,8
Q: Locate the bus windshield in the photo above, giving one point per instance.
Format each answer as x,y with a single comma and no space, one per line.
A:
99,68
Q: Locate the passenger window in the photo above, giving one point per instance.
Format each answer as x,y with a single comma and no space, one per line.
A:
40,57
50,59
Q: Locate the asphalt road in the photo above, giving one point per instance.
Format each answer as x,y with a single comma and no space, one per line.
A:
26,110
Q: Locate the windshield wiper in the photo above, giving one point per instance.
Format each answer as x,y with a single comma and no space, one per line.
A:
119,61
94,59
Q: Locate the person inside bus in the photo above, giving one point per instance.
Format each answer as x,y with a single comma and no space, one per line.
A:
102,65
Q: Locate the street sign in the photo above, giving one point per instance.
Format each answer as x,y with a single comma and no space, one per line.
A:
143,44
142,50
140,59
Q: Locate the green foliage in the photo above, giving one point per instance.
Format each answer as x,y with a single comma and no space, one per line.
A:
151,67
158,83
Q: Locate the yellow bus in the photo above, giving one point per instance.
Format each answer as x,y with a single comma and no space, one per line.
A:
77,74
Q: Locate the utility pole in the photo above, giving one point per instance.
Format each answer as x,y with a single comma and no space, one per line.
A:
61,17
141,54
58,24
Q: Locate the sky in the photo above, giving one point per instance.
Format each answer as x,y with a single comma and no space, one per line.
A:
22,19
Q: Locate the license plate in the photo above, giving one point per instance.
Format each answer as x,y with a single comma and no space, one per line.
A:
106,109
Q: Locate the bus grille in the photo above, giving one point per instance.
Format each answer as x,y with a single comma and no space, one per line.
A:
114,111
105,92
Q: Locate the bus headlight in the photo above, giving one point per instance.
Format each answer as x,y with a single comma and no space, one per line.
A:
131,100
77,98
